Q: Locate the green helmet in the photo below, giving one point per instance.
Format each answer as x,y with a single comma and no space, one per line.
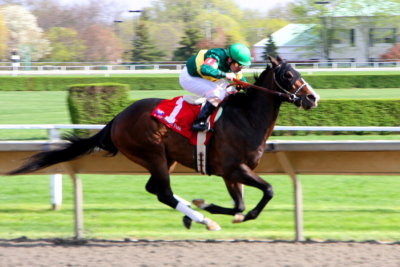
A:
240,53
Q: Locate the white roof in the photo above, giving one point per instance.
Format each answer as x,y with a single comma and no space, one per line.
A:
286,35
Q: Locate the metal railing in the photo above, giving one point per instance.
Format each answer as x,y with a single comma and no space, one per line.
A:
56,68
279,149
53,130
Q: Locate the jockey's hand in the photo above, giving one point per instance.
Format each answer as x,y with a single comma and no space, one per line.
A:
231,90
240,87
230,76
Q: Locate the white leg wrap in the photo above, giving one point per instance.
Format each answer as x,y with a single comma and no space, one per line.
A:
184,201
192,214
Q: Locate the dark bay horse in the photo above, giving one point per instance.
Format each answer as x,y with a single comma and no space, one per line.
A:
235,149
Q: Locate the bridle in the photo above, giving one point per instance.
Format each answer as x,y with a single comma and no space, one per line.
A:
294,96
291,97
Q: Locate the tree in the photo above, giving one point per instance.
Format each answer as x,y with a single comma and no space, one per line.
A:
66,45
24,33
73,14
188,44
270,48
3,39
143,48
165,37
393,54
101,44
333,18
257,29
175,10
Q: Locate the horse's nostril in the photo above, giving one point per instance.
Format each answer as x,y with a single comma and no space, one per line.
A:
311,98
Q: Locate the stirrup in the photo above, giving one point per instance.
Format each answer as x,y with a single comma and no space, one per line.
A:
201,126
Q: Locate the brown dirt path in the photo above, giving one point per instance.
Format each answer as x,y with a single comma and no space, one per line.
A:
32,253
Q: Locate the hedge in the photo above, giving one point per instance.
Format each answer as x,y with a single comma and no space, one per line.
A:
61,83
343,113
353,81
96,103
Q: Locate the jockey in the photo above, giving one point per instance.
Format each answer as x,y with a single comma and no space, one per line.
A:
206,75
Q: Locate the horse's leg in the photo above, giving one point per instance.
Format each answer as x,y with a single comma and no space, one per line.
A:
151,185
159,184
235,191
151,188
246,176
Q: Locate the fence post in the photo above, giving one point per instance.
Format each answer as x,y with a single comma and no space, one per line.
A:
56,186
298,195
78,205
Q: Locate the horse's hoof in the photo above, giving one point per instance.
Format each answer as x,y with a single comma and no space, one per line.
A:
239,217
200,203
187,222
211,225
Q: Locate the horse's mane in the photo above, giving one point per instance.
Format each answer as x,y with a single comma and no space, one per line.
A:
259,78
240,99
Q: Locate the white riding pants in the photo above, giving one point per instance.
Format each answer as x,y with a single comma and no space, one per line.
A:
203,87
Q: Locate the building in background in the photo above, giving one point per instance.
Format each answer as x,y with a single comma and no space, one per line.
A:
294,42
358,31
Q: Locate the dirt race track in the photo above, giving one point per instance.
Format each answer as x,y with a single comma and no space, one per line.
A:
95,253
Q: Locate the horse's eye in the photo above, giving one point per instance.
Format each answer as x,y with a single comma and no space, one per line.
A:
288,75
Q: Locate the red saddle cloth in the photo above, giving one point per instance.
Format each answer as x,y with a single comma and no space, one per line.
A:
179,115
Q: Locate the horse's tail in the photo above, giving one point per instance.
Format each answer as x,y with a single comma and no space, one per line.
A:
74,149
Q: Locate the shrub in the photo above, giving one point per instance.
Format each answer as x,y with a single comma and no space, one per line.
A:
61,83
96,103
345,112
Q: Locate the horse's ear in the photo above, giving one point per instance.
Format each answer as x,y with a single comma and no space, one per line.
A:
273,61
279,59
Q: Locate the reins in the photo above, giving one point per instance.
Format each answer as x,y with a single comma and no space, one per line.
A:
290,97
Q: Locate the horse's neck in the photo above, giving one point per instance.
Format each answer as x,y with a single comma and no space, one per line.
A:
265,108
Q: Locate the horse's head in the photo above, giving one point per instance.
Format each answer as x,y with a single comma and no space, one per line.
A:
289,81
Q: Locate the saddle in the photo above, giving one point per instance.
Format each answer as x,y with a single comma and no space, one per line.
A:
179,114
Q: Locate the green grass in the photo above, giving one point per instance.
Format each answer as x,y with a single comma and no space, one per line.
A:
349,72
335,207
366,93
117,207
258,70
49,107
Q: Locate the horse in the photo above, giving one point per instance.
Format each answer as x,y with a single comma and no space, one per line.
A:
235,149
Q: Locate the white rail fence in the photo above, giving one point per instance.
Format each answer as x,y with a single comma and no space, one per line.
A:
53,133
327,157
176,67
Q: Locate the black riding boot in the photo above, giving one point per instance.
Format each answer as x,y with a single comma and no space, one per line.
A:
201,124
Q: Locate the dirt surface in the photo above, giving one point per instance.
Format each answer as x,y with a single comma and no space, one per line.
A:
95,253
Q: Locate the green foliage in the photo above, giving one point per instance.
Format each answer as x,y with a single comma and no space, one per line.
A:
61,83
257,28
143,48
170,82
344,112
353,81
20,107
66,45
270,49
188,44
96,103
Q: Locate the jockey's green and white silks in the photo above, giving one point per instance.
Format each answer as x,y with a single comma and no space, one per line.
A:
203,87
196,67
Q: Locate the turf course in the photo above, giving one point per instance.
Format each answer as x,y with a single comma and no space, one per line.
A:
50,107
117,207
335,207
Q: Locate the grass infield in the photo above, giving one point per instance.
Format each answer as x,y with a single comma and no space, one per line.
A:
50,107
117,206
